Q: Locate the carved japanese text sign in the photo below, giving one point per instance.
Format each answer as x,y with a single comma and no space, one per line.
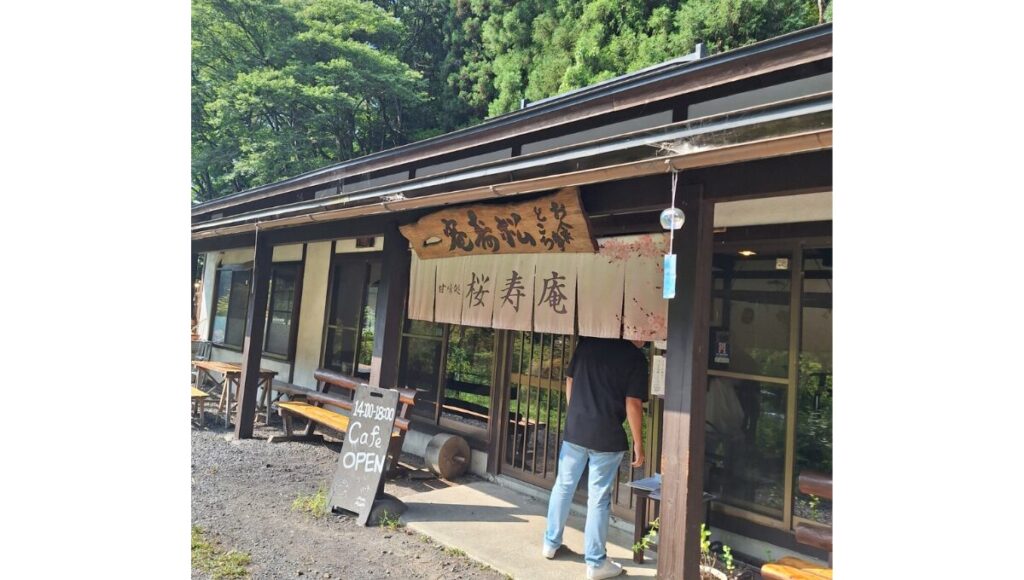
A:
550,224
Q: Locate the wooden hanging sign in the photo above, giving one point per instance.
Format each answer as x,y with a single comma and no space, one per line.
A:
551,224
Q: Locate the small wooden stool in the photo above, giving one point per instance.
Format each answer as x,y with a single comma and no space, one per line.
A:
199,404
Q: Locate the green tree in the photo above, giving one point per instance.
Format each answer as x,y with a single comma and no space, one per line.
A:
280,88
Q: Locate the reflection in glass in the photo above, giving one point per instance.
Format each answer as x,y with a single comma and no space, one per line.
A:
238,305
369,321
220,313
419,369
750,314
467,396
341,350
814,395
746,443
424,328
280,309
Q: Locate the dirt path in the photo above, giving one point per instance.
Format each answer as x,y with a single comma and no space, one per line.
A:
242,494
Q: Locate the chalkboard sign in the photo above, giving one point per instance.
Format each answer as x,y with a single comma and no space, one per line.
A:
364,451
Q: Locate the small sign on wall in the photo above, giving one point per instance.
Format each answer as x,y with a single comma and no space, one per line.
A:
658,375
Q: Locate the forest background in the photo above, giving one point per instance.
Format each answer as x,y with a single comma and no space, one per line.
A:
280,87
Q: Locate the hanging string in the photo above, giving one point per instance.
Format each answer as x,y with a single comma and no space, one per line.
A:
671,232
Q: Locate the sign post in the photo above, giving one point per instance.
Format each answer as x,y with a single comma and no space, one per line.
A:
364,452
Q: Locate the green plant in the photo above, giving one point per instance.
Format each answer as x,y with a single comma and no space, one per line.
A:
709,559
454,552
814,504
391,522
645,542
208,558
315,505
730,566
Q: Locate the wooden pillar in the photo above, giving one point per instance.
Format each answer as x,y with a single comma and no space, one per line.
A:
387,330
252,347
682,458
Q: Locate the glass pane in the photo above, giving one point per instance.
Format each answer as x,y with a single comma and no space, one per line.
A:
814,396
424,328
752,312
341,350
420,369
281,308
369,320
348,293
238,306
220,312
467,396
745,448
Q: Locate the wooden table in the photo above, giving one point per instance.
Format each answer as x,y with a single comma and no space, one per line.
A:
232,373
650,489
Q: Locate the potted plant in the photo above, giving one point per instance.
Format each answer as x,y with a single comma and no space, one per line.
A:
711,568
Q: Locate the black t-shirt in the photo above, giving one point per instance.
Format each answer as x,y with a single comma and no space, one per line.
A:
604,372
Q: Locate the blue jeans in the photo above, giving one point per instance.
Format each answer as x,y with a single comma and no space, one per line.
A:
603,467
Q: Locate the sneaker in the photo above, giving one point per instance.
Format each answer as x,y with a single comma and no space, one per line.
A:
549,553
608,569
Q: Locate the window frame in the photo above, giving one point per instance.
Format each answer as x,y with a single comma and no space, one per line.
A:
368,258
213,305
479,437
293,330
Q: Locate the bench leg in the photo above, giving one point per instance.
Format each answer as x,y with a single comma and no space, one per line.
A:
306,435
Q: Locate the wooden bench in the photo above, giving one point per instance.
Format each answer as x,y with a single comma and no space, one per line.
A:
199,404
315,407
790,568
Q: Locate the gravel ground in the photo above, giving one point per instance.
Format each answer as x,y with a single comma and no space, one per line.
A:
242,494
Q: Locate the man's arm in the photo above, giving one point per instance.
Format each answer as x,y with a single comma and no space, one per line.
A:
635,416
568,390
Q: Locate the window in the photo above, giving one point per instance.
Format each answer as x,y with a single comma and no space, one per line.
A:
451,368
281,308
420,364
231,301
814,392
350,321
769,399
231,307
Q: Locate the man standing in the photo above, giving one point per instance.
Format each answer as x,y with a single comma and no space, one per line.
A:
605,384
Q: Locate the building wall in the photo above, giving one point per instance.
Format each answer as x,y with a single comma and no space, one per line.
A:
311,313
312,308
206,300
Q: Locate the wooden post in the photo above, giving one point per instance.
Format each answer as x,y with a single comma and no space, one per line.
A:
682,459
387,330
252,347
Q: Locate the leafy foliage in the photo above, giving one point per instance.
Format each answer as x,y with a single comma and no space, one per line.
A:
280,87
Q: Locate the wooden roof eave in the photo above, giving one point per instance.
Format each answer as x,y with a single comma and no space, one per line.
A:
803,142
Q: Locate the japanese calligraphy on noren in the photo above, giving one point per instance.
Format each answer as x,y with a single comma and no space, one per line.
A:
513,291
551,224
552,293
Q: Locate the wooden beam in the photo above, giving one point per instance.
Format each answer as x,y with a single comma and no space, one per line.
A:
806,142
387,331
252,346
682,459
243,240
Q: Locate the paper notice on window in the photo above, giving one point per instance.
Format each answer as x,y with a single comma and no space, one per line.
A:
658,376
